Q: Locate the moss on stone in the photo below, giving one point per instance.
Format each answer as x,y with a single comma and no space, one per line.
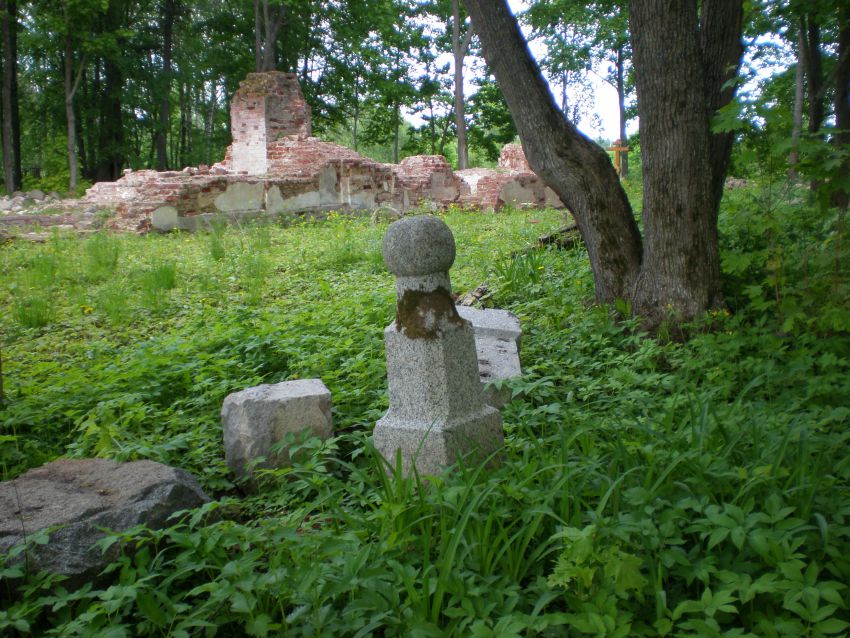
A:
420,315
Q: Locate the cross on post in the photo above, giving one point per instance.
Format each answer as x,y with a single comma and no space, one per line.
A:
618,149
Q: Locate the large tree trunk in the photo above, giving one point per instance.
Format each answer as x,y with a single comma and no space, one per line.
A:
681,68
684,164
11,120
576,168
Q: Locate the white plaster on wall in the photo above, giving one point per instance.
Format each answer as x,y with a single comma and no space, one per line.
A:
240,196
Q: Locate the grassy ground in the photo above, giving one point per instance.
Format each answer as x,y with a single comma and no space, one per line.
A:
649,487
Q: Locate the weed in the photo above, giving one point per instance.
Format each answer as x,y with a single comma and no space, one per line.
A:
155,282
103,251
32,309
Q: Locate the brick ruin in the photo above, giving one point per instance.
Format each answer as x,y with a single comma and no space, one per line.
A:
275,167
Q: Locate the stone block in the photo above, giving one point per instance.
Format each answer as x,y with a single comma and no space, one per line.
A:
493,322
497,339
498,360
77,498
241,196
437,413
165,218
256,419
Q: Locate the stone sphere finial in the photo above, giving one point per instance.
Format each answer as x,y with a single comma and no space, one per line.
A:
418,246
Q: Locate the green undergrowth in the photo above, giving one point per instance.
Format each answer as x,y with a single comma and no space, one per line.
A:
647,487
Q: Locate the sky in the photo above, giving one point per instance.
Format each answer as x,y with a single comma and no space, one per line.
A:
604,95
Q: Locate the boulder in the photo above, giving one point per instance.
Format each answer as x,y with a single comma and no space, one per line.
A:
37,194
255,420
76,498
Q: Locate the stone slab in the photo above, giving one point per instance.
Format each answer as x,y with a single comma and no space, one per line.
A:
77,497
165,218
255,420
498,360
493,322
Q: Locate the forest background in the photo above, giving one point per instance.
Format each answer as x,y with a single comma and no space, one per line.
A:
90,87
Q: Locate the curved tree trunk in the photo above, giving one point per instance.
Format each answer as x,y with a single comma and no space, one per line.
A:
682,62
576,168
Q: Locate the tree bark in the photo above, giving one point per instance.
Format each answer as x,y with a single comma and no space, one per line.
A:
459,48
258,37
11,119
72,83
814,74
167,25
396,126
720,25
267,24
841,139
576,168
684,163
797,116
111,130
683,60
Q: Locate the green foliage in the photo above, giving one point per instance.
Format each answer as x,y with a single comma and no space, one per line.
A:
492,125
646,487
787,259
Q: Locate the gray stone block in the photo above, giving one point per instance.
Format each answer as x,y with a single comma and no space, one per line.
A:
437,410
497,339
437,413
493,322
75,498
256,419
430,450
498,359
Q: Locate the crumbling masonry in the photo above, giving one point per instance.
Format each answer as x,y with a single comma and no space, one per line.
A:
276,167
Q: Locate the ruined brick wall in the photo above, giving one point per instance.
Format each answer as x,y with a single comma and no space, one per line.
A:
266,107
275,167
426,177
513,158
307,156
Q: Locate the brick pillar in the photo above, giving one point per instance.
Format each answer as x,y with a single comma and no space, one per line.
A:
267,106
